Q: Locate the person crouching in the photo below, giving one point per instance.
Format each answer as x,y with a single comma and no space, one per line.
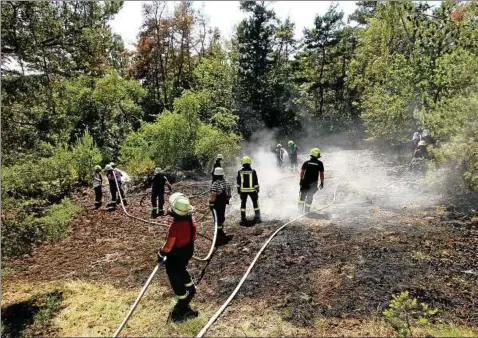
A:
176,253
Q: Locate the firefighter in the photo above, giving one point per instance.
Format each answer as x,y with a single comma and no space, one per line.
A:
157,192
97,186
220,196
248,185
217,164
119,178
292,150
112,176
176,253
309,177
422,151
279,155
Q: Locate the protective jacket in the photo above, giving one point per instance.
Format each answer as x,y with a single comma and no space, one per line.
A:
247,179
159,180
311,170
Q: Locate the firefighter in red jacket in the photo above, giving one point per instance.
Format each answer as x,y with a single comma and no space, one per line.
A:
309,179
176,253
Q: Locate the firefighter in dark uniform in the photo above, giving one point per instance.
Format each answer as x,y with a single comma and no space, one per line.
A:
176,253
97,186
220,196
217,164
157,193
309,178
248,185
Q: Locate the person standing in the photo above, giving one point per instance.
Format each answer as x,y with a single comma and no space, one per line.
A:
176,253
219,199
279,155
292,150
157,192
248,186
97,186
309,178
217,164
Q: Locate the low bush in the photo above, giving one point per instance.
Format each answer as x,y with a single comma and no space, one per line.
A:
22,230
178,140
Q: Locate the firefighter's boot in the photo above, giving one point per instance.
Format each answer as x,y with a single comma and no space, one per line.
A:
243,218
98,205
257,217
222,238
154,213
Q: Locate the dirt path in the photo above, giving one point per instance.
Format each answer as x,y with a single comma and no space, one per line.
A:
345,262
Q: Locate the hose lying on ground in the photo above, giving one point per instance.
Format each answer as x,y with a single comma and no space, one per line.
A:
246,274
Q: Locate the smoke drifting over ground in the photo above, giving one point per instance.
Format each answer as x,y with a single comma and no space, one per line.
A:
369,182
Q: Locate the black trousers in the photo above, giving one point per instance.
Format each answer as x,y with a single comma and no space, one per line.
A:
254,197
176,269
306,196
220,207
157,199
114,191
98,196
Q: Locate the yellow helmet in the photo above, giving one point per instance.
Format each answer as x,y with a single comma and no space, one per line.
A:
290,142
246,160
314,152
179,204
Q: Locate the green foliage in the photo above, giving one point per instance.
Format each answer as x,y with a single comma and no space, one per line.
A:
52,176
404,313
85,156
49,305
177,137
21,229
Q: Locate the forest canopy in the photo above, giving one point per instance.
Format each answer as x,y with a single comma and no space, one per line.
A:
73,96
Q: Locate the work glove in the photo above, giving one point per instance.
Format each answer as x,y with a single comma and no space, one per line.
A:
321,185
211,205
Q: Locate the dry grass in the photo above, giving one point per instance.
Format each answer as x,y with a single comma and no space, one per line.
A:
96,310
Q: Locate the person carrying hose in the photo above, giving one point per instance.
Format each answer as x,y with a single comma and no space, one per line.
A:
220,196
97,186
110,175
157,192
119,179
248,186
217,164
309,178
176,253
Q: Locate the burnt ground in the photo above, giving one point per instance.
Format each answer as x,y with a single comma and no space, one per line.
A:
339,263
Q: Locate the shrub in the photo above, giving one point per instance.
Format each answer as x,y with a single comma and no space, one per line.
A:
52,176
178,138
403,313
23,230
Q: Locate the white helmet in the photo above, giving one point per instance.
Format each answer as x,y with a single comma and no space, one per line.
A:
219,157
157,170
279,145
179,204
113,164
218,171
108,167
